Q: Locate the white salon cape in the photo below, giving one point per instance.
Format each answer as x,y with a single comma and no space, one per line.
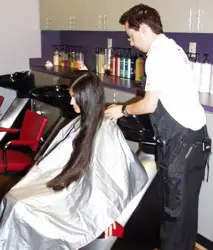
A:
34,217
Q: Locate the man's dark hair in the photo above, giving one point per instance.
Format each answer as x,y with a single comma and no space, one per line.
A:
142,13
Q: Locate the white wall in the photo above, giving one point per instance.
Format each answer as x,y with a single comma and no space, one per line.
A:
20,36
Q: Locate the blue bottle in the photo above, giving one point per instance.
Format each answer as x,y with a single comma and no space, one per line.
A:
122,65
128,65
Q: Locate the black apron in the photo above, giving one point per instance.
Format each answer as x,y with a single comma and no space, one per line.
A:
181,161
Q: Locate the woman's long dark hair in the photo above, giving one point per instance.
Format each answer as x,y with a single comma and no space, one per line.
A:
89,96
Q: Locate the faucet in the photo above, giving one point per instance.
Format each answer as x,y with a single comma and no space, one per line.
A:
55,81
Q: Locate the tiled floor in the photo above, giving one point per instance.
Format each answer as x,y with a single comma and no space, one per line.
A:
199,247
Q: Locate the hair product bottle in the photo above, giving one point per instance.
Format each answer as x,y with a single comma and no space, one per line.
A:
60,58
117,63
206,60
112,64
76,66
96,60
139,68
128,65
72,58
65,57
122,65
56,57
101,61
133,63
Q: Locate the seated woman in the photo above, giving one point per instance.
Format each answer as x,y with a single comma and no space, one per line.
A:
81,184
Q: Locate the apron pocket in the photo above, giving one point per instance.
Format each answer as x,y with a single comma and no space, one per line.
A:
195,157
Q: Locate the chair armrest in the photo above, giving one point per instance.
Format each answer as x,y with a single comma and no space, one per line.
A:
14,143
9,130
20,143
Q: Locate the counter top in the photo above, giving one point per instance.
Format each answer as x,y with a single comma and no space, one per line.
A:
116,83
58,71
207,101
109,81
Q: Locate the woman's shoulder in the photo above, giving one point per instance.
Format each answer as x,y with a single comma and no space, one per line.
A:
108,124
72,125
110,130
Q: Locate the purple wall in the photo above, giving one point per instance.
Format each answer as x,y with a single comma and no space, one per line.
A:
48,39
89,40
204,43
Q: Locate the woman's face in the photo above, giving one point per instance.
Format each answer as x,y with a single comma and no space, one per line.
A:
73,102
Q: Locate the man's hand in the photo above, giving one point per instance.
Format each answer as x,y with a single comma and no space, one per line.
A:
114,111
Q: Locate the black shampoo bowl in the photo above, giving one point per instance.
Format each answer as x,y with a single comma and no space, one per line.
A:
57,96
137,128
22,82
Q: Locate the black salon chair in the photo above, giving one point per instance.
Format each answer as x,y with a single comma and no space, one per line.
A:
141,218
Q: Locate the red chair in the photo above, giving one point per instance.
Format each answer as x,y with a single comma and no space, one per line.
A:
118,231
1,100
32,129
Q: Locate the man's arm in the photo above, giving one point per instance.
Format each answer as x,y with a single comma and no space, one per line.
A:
145,106
156,71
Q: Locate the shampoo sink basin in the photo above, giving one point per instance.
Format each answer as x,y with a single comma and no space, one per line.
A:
137,128
57,95
50,91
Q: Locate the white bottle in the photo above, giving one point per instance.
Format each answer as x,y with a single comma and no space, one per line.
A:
211,84
56,57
